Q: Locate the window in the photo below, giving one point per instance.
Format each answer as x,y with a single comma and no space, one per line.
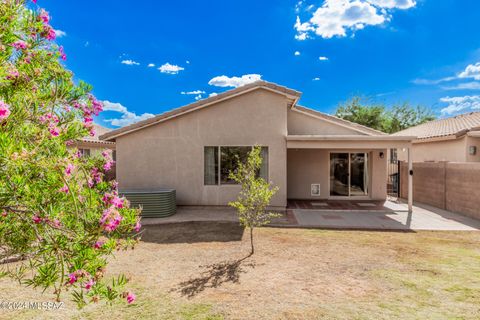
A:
84,152
220,161
393,155
114,155
210,176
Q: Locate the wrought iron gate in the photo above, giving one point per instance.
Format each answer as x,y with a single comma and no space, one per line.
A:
393,174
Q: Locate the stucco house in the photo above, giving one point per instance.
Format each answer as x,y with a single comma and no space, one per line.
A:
454,139
91,146
307,154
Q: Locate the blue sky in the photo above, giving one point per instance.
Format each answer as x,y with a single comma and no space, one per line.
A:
424,52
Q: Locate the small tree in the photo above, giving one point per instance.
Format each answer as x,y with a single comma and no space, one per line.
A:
58,215
255,195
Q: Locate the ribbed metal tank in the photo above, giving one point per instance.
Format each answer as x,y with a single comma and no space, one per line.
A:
156,204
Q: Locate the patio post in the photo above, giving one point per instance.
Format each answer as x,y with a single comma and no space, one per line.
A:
410,181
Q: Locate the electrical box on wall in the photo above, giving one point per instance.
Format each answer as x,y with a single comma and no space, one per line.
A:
315,189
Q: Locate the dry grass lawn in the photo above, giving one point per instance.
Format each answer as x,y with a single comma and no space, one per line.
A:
192,271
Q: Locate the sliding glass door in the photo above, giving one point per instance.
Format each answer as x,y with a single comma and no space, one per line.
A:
348,174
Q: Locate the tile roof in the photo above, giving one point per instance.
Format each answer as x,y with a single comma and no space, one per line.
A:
99,130
453,126
199,104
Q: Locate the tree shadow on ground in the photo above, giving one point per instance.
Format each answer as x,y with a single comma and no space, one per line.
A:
214,276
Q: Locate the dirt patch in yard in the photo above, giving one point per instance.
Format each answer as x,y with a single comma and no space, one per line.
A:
200,271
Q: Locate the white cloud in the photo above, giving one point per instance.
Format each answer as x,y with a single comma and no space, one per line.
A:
187,62
471,71
193,92
60,33
298,6
198,97
213,94
130,62
316,79
391,4
170,68
151,65
127,117
337,17
460,104
297,53
224,81
322,58
463,86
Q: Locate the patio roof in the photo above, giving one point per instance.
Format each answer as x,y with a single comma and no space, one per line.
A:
348,141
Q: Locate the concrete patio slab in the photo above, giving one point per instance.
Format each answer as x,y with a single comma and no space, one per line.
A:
422,218
394,217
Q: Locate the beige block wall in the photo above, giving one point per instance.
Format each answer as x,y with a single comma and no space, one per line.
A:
463,188
428,182
447,185
170,154
307,166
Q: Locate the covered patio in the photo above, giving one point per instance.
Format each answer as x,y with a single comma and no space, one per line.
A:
344,172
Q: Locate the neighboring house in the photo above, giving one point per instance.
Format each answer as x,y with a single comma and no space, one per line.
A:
455,139
307,154
91,146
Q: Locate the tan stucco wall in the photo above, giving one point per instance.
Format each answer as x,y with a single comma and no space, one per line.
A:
447,150
170,154
299,123
307,166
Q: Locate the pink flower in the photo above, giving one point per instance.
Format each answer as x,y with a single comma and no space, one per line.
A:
108,165
63,56
110,219
12,74
64,189
34,1
50,33
44,16
98,244
138,226
69,143
19,45
4,213
96,175
36,219
131,297
4,110
69,169
89,284
54,131
117,202
92,132
56,223
97,106
72,278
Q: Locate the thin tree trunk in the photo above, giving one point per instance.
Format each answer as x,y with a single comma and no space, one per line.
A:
251,241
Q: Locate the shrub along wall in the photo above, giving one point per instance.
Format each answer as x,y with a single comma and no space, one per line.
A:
452,186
